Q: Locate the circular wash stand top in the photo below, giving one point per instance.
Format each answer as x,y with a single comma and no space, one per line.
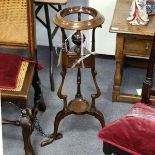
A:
96,21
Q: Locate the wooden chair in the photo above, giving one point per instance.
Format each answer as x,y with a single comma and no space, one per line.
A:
134,133
57,6
18,72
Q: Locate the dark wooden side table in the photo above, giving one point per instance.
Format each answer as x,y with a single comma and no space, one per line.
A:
55,5
130,41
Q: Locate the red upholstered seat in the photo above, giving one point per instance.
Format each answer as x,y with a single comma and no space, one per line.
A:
9,69
133,133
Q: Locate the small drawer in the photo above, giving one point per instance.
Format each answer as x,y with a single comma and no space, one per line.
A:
71,59
136,45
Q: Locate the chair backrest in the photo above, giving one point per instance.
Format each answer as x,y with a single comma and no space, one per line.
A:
147,84
17,25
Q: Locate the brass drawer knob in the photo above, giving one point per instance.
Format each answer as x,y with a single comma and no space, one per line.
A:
147,46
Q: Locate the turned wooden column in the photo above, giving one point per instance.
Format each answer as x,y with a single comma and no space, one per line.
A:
119,56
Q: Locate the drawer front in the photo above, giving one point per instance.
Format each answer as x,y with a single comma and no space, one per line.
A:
73,59
136,45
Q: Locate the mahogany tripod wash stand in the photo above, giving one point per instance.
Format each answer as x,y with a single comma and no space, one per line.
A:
70,57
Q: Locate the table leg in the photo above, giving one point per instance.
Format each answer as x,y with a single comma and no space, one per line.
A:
119,56
50,45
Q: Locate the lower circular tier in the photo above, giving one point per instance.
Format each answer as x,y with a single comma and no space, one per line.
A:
78,105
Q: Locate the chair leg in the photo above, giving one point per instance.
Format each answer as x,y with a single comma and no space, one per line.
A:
26,125
107,149
50,45
38,96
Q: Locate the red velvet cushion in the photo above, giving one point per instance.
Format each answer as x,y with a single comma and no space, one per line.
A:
9,69
134,133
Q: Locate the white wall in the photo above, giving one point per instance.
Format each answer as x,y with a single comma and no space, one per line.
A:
105,41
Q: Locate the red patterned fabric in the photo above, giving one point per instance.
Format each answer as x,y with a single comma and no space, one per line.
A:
133,133
9,69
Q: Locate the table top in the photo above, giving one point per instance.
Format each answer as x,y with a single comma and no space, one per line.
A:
51,1
120,24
